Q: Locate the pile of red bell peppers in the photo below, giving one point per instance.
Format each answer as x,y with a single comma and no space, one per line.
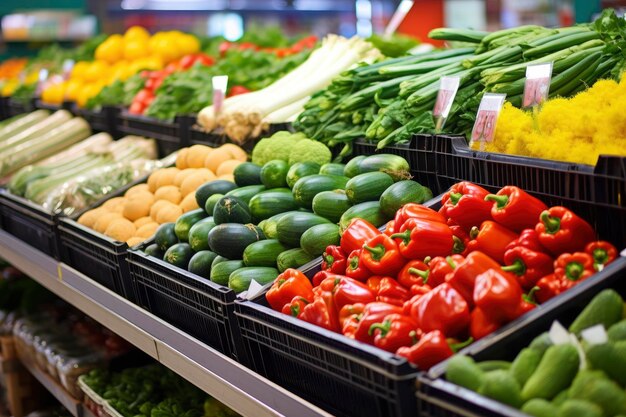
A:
436,281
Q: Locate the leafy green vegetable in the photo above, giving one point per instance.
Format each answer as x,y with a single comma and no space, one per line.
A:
117,93
393,46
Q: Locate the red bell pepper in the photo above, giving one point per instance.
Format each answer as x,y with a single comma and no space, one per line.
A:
373,283
347,291
381,256
392,292
440,267
418,239
547,288
602,252
236,90
492,239
291,283
431,349
296,307
498,294
528,238
416,211
334,260
515,209
390,227
420,289
481,324
394,331
461,240
465,204
322,312
464,276
355,267
350,311
413,273
569,270
528,265
373,312
357,233
321,276
562,231
443,309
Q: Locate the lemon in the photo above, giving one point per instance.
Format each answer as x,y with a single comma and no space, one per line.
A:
79,70
98,70
111,50
135,49
136,33
188,44
72,89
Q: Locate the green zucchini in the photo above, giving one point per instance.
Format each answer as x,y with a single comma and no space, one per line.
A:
247,173
308,187
210,203
368,186
218,259
332,169
331,204
246,193
292,258
301,170
221,271
394,165
401,193
207,189
200,263
352,167
165,236
240,279
153,250
315,240
186,221
199,234
274,174
263,252
231,239
231,210
178,255
267,204
293,224
370,211
269,227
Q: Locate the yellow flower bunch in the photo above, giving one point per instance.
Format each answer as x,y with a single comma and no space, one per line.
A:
578,129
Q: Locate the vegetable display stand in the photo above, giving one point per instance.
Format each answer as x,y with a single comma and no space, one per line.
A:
29,222
419,152
438,397
18,107
103,120
66,105
195,305
170,136
91,400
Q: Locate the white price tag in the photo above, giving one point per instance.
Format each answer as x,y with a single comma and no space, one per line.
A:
484,129
537,85
219,83
41,81
448,87
254,289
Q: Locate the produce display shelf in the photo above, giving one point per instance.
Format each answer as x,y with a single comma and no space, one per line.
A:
73,405
221,377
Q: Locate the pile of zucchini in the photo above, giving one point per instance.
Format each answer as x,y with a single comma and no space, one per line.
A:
277,216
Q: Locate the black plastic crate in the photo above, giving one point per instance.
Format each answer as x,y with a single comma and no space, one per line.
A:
103,120
17,107
29,222
419,153
170,136
66,105
193,304
4,108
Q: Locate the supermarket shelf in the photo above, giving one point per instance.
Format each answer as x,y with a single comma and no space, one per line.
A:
221,377
74,406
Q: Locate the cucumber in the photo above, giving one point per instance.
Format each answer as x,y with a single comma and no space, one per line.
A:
186,221
315,240
605,308
231,210
247,173
301,170
246,193
218,259
240,279
331,204
332,169
231,239
368,187
269,225
370,211
401,193
178,255
165,236
274,174
293,258
221,271
267,204
206,190
263,252
153,250
394,165
209,206
308,187
199,234
293,224
200,263
352,167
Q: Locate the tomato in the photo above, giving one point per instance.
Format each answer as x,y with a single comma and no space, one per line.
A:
157,84
205,60
144,74
136,108
171,68
247,45
235,90
144,96
187,61
224,46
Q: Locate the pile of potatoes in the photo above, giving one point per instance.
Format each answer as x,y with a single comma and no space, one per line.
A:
168,193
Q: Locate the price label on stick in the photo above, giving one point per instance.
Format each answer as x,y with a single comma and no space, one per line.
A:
219,83
537,85
448,86
485,125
